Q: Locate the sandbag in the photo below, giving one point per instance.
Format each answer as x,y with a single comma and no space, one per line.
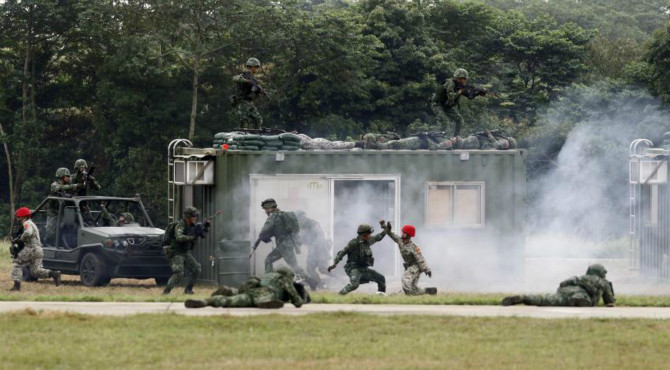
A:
289,137
270,138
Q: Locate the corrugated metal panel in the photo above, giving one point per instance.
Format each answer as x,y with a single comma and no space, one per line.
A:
204,199
653,237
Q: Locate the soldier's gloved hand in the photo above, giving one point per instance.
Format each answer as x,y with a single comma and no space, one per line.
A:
382,223
429,273
388,225
330,268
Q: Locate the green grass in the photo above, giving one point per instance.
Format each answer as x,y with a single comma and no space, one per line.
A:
341,340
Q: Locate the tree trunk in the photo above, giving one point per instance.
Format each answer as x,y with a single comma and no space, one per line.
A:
12,199
24,83
194,100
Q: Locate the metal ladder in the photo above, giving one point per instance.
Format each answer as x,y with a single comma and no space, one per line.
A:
633,188
171,186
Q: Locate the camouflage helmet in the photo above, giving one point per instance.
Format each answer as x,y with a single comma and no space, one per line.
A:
597,269
461,73
62,172
80,163
190,212
128,217
253,62
286,272
364,229
269,203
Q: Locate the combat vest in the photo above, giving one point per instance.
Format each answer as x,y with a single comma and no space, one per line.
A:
178,247
361,254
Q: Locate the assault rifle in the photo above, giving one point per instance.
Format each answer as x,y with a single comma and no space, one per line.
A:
202,228
497,133
87,178
255,86
16,245
471,91
256,244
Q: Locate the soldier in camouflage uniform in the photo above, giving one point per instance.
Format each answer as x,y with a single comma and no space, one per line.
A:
247,90
177,253
81,178
124,219
359,260
62,187
270,291
31,255
284,227
578,291
445,101
414,262
318,250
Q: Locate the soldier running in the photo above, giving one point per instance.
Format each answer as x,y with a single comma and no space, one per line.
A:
318,249
359,260
578,291
180,260
31,255
414,262
445,101
270,291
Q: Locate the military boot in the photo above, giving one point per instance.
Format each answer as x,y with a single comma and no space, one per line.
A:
431,291
189,289
271,304
195,303
16,287
167,291
512,300
56,276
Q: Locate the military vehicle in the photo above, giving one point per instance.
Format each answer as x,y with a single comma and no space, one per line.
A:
82,236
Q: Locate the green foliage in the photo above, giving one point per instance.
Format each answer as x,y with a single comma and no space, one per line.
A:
657,56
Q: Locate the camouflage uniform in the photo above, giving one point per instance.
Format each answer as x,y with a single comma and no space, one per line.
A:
580,291
414,264
179,258
443,104
270,291
318,251
31,255
244,97
83,189
287,243
359,261
57,189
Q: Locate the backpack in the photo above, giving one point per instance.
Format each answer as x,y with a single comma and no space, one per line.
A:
291,225
168,237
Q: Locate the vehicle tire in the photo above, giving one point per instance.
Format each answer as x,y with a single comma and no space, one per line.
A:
27,276
161,281
93,271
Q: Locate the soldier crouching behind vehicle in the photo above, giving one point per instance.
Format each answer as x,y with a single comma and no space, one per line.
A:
270,291
578,291
414,262
31,255
359,260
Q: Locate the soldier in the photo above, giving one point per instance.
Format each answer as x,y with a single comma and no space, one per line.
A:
318,251
284,227
62,187
83,179
270,291
414,262
247,90
124,219
359,260
445,101
578,291
31,255
180,260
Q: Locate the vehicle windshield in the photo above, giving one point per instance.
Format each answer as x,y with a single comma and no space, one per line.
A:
112,213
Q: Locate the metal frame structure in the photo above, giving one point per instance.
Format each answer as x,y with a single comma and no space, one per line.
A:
171,186
635,154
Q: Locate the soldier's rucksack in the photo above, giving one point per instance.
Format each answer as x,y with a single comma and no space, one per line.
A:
168,237
290,223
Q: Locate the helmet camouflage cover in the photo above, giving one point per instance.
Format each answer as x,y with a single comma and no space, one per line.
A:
269,203
191,212
365,229
80,163
597,269
286,272
461,73
128,217
62,172
253,62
